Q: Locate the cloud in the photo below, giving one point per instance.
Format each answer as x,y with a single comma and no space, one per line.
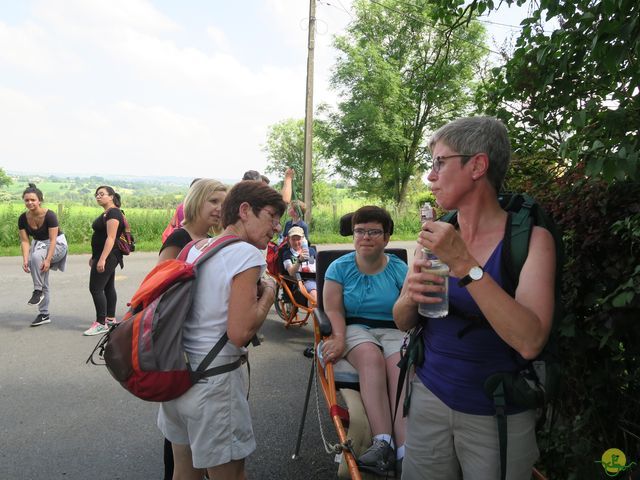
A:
130,90
28,47
219,38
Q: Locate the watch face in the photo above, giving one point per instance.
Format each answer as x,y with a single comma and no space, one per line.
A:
476,273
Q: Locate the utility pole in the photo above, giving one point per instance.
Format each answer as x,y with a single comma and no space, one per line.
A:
308,118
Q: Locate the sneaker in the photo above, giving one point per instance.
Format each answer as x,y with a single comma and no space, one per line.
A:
96,329
379,459
109,322
41,319
36,297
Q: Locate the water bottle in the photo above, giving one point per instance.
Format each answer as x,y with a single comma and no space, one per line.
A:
305,247
441,309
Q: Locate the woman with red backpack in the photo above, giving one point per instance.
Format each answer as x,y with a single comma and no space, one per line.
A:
209,426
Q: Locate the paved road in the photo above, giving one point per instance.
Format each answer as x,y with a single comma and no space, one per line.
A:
63,419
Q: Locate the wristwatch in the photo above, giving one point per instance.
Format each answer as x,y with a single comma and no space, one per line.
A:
475,274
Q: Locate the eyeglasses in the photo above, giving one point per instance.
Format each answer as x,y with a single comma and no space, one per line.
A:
101,194
372,232
275,220
439,160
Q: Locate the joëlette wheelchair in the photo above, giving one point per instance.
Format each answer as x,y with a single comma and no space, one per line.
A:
351,422
293,302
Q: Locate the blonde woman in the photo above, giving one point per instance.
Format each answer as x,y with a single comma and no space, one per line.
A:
202,211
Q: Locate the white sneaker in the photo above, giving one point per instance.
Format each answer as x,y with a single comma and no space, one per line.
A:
96,329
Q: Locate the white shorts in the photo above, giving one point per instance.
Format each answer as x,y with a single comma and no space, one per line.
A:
213,418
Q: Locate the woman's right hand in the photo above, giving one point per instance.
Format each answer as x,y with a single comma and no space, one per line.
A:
91,262
419,282
25,266
333,348
101,265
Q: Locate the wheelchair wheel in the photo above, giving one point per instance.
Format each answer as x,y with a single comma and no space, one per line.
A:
285,309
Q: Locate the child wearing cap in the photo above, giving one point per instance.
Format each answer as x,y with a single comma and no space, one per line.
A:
300,258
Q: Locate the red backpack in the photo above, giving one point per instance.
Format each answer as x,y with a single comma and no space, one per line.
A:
144,352
273,256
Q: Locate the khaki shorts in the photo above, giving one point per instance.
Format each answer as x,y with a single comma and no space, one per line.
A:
444,444
388,339
213,418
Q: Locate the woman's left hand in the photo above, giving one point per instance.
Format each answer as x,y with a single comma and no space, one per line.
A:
100,265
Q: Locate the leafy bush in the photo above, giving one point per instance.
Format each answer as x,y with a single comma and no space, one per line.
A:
599,338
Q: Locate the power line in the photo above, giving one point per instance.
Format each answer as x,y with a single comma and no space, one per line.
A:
342,7
419,20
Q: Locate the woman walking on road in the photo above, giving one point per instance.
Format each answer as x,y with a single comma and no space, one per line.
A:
47,251
105,257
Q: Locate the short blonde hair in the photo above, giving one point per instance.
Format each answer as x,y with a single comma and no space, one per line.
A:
197,195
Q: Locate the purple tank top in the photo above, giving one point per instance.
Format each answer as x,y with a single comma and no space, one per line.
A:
455,366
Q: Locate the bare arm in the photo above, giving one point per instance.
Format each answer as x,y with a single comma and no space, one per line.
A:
333,347
247,310
523,322
287,185
293,268
24,247
405,310
112,230
168,253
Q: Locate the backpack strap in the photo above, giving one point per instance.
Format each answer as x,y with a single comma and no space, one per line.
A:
515,248
211,249
499,401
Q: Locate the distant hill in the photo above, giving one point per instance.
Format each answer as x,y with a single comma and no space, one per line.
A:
145,192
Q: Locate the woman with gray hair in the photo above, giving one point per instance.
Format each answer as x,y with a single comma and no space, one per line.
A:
452,430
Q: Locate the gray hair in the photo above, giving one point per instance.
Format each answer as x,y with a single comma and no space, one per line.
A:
482,134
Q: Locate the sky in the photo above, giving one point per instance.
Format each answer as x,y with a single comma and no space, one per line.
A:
184,88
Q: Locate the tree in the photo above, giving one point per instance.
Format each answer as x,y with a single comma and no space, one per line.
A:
4,178
285,148
400,76
574,90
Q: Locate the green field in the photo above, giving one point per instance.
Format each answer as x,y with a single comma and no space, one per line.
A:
148,224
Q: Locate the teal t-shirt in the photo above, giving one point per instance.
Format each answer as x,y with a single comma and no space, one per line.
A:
368,296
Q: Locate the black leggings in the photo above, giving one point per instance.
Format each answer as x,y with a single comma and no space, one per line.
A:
103,289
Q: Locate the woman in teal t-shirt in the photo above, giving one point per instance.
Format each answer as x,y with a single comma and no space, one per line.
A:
359,293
